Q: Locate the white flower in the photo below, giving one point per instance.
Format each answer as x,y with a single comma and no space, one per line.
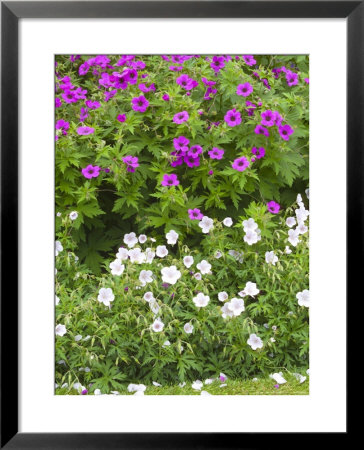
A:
222,296
149,255
204,267
60,330
97,392
272,339
293,237
251,237
236,305
304,298
290,222
130,239
299,198
152,239
209,381
162,251
249,225
227,221
157,325
226,311
136,387
255,379
206,224
181,385
122,254
237,255
172,237
188,261
299,377
218,254
271,258
136,256
166,344
308,371
116,267
145,277
205,393
188,328
170,274
59,247
142,238
301,228
148,296
302,214
197,385
223,385
251,289
201,300
242,293
56,300
255,342
78,337
87,338
156,384
278,377
73,215
307,192
105,296
154,306
198,276
287,250
59,214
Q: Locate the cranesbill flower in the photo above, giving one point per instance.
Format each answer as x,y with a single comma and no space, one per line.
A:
85,131
188,328
261,130
165,97
117,268
251,237
172,237
122,253
258,152
195,151
130,240
227,221
110,94
84,68
139,103
186,82
83,114
240,164
121,117
217,63
293,237
216,153
181,144
91,171
191,161
268,118
292,78
251,289
145,277
222,296
143,87
62,125
304,298
232,117
105,296
271,258
170,180
285,131
58,102
157,326
60,330
195,214
92,105
188,261
161,251
249,60
273,207
204,267
148,296
236,306
181,117
244,89
170,274
250,225
226,311
201,300
131,162
290,222
278,377
206,224
254,341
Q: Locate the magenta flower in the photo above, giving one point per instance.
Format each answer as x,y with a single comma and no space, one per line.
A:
261,130
131,162
170,180
292,78
186,82
211,172
131,76
244,89
277,118
181,144
83,114
217,63
62,125
285,131
121,117
240,164
206,82
143,87
216,153
249,60
84,68
191,161
258,152
165,97
307,80
195,214
268,118
91,171
233,117
276,386
177,159
92,105
139,103
109,95
181,117
85,131
209,93
195,150
273,207
58,102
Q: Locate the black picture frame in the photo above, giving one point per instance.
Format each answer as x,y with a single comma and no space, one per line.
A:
11,12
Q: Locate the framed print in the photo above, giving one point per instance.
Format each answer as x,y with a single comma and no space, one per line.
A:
187,160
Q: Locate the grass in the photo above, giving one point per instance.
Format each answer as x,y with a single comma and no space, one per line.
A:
233,387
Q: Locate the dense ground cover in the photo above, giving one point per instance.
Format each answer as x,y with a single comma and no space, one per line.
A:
182,245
